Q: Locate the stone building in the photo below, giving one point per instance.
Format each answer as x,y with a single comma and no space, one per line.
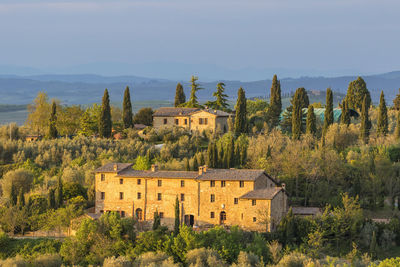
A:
192,118
250,199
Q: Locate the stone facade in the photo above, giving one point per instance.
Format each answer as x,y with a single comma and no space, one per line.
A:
248,198
192,119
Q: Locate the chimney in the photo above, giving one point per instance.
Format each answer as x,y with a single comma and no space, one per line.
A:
154,167
200,170
115,167
205,168
283,186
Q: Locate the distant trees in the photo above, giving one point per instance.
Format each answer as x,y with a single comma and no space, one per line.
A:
105,124
241,112
90,120
383,121
300,99
193,102
144,116
345,117
53,133
311,123
180,97
275,106
356,92
127,109
328,116
39,111
221,101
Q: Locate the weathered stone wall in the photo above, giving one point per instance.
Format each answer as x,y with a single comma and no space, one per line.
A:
171,121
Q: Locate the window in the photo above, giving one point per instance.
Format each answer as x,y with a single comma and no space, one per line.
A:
101,211
182,197
102,195
235,201
200,120
212,183
185,121
205,121
253,202
103,177
159,183
161,215
121,181
139,181
222,183
159,196
212,215
121,195
182,183
139,195
254,219
165,121
176,121
212,198
122,214
241,183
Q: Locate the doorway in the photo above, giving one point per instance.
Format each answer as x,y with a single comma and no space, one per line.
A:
222,217
189,220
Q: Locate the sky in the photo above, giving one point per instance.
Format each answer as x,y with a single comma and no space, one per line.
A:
229,39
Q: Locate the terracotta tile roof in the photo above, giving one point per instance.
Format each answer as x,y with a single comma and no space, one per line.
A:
216,112
265,193
172,111
231,174
110,167
158,174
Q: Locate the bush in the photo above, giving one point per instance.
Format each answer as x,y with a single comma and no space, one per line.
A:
17,261
203,257
48,260
294,259
117,262
154,259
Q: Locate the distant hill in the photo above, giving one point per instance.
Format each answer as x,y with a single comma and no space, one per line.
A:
87,88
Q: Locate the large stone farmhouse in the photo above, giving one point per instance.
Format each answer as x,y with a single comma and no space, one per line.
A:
250,199
194,119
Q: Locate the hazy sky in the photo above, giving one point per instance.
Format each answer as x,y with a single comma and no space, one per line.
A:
310,36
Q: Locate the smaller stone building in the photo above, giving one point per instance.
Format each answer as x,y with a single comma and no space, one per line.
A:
250,199
194,119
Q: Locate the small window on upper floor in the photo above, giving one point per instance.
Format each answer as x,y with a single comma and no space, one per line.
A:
102,195
212,183
176,121
121,181
212,215
161,214
241,183
159,183
200,121
182,197
121,195
165,121
223,183
205,121
235,200
159,196
103,177
139,195
139,181
182,183
254,219
212,198
185,121
253,202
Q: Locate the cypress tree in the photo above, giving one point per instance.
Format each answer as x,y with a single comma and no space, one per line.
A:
187,165
383,125
397,131
356,92
180,97
373,245
221,153
127,109
53,120
193,102
212,155
156,221
51,201
328,116
21,199
365,122
345,117
105,124
302,96
13,195
202,160
296,116
59,194
230,154
311,125
240,119
275,105
177,219
195,164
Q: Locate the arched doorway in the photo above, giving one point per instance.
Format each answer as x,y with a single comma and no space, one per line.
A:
139,214
222,217
189,220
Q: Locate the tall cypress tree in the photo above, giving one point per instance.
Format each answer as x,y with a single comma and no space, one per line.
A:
51,201
212,155
297,113
365,122
127,109
105,124
345,117
240,118
53,133
328,116
383,124
311,125
195,163
13,195
397,130
180,96
275,105
21,199
59,194
156,221
177,219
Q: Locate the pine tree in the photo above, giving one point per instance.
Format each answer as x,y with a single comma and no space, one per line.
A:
59,194
383,125
177,218
193,102
365,122
345,117
51,201
356,92
21,199
221,101
187,165
311,125
105,124
157,221
180,97
240,118
195,163
53,120
297,114
396,101
127,109
397,130
275,105
13,195
328,116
